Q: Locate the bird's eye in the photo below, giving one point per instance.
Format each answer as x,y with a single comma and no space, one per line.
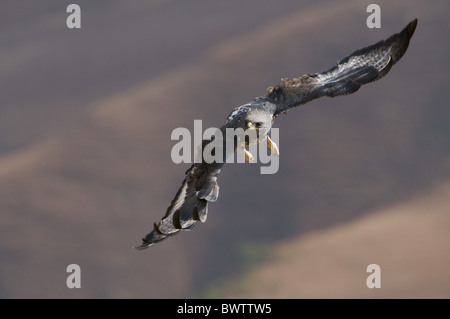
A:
254,124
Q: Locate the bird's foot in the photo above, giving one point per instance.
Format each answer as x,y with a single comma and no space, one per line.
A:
272,146
248,156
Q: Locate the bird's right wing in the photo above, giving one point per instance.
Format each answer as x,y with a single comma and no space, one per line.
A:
362,66
190,204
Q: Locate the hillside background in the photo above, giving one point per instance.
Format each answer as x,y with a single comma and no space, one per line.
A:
85,169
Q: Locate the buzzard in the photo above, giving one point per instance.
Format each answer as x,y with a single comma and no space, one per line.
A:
200,187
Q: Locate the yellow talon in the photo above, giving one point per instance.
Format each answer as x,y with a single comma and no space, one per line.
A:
272,146
248,156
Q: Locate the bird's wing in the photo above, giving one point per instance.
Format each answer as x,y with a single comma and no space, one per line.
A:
362,66
199,187
190,204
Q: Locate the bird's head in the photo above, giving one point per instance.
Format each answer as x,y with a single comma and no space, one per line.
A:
257,120
253,122
256,125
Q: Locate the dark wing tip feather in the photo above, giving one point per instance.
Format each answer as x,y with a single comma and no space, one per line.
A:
145,244
399,42
155,236
411,27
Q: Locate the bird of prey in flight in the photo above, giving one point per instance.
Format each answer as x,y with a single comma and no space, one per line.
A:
199,187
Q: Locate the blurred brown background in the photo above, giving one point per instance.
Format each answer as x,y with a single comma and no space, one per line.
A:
85,169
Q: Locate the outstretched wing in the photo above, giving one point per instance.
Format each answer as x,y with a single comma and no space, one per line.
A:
362,66
199,187
190,204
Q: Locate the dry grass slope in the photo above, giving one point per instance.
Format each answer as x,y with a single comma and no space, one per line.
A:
409,241
88,193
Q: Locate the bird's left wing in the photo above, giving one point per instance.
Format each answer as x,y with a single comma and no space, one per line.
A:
361,67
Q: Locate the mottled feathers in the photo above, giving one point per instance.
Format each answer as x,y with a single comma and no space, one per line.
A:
361,67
